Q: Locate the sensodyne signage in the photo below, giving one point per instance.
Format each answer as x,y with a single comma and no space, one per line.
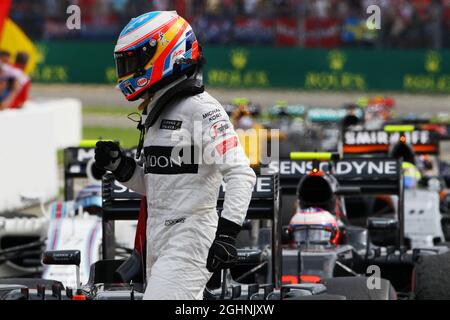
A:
351,168
263,188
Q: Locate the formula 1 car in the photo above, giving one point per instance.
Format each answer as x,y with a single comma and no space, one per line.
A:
353,250
252,133
242,103
285,116
432,196
439,127
268,260
119,203
308,128
289,120
323,126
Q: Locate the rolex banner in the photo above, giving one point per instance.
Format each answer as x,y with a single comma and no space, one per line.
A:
267,67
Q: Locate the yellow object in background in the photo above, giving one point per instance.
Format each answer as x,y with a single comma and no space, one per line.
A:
89,143
398,128
321,156
254,142
251,142
15,40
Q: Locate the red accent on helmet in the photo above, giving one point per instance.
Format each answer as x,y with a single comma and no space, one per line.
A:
316,173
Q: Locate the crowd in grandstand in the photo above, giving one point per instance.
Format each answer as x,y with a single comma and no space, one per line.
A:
307,23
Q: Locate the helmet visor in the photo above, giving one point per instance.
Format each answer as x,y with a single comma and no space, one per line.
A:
313,234
126,65
132,61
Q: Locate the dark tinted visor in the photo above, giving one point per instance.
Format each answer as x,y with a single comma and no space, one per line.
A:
132,61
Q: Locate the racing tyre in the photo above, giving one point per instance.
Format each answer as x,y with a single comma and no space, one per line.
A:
430,277
355,288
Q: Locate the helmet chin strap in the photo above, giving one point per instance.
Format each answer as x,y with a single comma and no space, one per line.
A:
151,99
153,104
144,104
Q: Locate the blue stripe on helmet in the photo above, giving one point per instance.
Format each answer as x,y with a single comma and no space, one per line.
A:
188,54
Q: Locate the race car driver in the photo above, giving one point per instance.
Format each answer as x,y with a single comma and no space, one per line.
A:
403,150
189,145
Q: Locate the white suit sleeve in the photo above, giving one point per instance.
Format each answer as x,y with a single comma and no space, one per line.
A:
221,147
136,182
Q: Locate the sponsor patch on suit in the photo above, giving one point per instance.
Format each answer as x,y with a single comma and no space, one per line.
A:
227,145
171,124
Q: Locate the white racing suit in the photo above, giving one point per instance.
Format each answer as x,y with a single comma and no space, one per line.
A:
182,194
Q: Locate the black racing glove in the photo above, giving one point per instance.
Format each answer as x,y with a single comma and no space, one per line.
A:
109,156
223,253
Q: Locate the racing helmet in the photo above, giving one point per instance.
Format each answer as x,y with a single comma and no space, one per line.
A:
411,175
241,116
279,109
350,120
403,150
254,109
425,162
245,105
317,189
152,51
314,226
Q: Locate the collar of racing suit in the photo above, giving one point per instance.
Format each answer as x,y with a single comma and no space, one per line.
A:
164,98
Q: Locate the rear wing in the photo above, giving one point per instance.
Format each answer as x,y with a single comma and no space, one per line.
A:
356,142
370,175
444,147
121,203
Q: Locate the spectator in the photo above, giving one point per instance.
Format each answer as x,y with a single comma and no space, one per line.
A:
21,60
433,29
14,85
5,88
405,23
